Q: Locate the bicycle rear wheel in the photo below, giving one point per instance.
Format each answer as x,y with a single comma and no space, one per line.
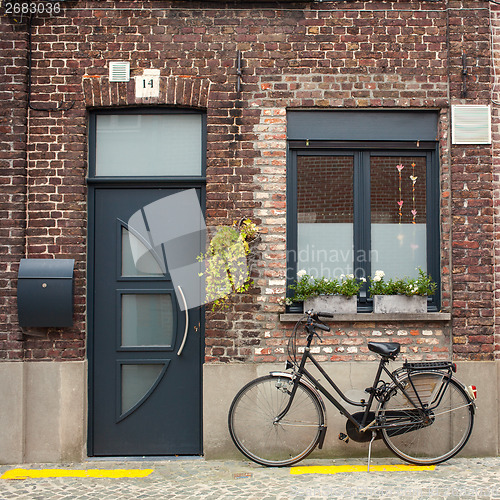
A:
427,437
257,434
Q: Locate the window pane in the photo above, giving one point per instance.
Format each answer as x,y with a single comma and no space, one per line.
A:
148,145
398,215
137,380
325,211
147,320
146,264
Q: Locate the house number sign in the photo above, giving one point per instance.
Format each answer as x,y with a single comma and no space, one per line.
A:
148,84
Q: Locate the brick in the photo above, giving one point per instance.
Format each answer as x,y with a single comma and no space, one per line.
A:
356,55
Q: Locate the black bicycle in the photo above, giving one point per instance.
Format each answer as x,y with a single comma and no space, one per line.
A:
423,414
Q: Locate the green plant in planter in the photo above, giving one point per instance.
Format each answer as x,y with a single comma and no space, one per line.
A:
226,268
308,286
423,285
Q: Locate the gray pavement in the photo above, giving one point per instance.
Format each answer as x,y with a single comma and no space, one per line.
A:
459,478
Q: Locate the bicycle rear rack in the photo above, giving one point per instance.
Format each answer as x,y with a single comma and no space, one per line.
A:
429,365
422,393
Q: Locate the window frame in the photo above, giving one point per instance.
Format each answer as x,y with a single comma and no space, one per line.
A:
362,151
140,110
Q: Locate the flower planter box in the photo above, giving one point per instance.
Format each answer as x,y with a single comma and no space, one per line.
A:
335,304
399,304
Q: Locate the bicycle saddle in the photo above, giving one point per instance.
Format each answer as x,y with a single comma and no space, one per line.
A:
386,349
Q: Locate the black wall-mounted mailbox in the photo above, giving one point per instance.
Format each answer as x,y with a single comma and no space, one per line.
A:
45,292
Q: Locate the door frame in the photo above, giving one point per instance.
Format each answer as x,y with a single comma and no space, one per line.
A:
111,183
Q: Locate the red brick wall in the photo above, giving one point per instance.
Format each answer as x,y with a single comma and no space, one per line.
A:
323,55
495,17
348,342
12,180
471,195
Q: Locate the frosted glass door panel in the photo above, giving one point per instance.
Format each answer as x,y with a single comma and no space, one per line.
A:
149,145
137,380
149,262
325,215
147,320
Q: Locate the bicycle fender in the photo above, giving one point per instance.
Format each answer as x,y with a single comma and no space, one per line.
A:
472,401
309,386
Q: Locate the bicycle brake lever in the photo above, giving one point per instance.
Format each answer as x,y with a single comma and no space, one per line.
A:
317,335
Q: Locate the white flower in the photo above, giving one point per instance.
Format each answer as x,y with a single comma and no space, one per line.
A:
379,274
363,279
350,276
342,276
301,273
377,278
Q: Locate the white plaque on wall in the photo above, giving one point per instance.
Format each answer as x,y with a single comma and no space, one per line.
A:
148,84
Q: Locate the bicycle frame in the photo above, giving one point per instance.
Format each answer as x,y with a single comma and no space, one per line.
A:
407,407
360,426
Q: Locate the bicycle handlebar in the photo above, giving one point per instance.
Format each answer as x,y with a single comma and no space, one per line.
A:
315,315
317,322
325,328
325,315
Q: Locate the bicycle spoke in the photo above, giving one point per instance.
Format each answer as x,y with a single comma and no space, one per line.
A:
428,436
278,419
257,432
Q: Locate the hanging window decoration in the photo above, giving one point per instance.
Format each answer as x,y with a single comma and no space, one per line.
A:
413,179
400,202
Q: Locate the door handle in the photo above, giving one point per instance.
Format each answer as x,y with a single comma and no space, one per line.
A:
179,352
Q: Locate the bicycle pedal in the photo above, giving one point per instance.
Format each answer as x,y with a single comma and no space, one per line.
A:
344,437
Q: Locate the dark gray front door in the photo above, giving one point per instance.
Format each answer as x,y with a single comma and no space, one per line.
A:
146,351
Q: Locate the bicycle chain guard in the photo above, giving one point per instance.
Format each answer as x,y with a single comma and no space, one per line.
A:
355,434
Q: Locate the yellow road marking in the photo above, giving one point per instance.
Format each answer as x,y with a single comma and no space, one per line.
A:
41,473
335,469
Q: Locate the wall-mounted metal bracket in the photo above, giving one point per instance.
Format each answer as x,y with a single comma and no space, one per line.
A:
464,75
239,72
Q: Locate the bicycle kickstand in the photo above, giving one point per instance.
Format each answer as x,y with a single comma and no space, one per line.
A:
374,435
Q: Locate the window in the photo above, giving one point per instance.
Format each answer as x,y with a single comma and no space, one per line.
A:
147,143
325,221
359,207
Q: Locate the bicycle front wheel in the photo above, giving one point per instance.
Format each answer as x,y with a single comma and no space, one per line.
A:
433,435
258,434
